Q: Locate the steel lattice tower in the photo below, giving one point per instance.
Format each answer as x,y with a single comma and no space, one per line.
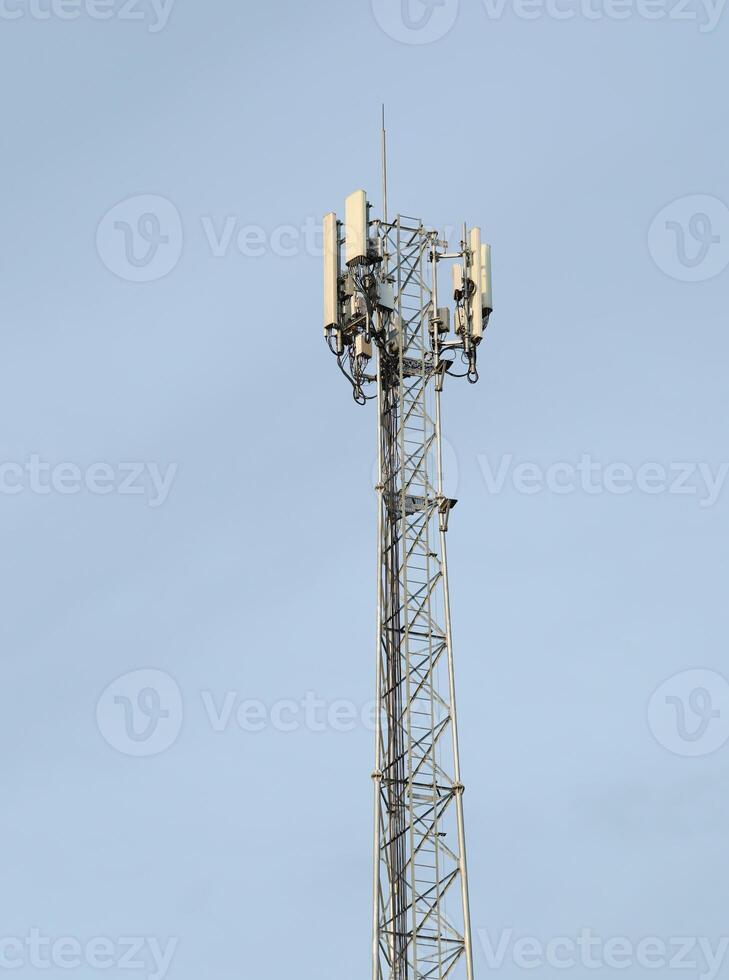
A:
385,300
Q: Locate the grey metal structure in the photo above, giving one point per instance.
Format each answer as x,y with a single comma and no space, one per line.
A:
381,308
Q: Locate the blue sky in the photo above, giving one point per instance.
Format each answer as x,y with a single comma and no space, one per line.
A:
201,501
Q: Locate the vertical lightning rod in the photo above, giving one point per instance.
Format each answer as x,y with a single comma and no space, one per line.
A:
384,166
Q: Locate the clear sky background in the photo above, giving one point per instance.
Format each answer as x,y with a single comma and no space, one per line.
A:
255,575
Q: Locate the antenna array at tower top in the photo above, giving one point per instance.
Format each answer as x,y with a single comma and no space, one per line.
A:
360,292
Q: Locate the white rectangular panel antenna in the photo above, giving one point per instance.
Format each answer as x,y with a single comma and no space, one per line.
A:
356,228
474,274
331,272
487,299
474,268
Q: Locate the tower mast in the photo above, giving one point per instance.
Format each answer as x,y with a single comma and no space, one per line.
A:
381,311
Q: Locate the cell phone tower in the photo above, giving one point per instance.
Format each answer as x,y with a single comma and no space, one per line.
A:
393,342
